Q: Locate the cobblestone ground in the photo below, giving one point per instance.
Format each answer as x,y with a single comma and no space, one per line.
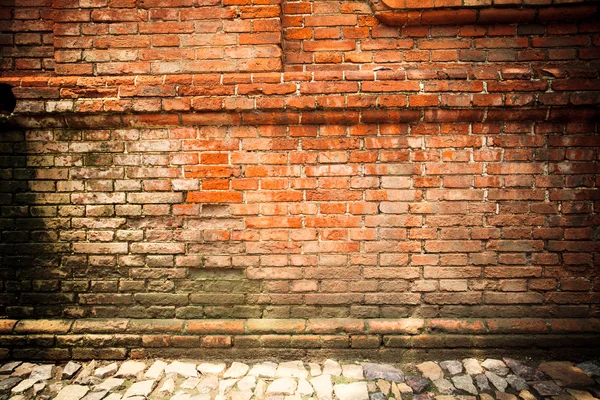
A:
467,379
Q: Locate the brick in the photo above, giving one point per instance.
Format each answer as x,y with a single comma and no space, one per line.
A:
456,326
214,197
334,325
573,325
99,326
391,86
215,326
488,16
365,342
330,20
217,341
453,298
455,246
154,198
41,354
108,353
452,17
275,326
273,222
328,87
393,298
513,298
405,326
43,326
7,325
100,248
155,326
518,326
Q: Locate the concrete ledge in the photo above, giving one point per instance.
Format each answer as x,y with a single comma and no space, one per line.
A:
483,12
409,89
318,326
118,339
347,117
469,93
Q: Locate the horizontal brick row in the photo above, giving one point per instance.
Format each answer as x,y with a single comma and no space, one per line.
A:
542,104
406,326
383,96
390,349
405,89
118,339
472,15
156,119
165,84
411,4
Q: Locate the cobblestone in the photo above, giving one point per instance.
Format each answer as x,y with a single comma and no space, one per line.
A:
472,366
70,369
296,380
566,373
454,367
464,382
499,382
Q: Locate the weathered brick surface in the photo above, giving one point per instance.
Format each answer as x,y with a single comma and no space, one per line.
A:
240,337
298,175
26,37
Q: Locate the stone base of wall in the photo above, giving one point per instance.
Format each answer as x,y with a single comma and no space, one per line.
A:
251,339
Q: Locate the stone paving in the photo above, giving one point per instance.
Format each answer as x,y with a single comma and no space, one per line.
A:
467,379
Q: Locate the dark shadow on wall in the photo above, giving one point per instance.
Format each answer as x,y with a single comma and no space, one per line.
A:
7,8
60,228
8,101
10,186
31,223
31,52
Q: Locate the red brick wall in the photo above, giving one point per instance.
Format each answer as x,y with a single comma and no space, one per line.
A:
300,176
164,37
331,35
26,37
